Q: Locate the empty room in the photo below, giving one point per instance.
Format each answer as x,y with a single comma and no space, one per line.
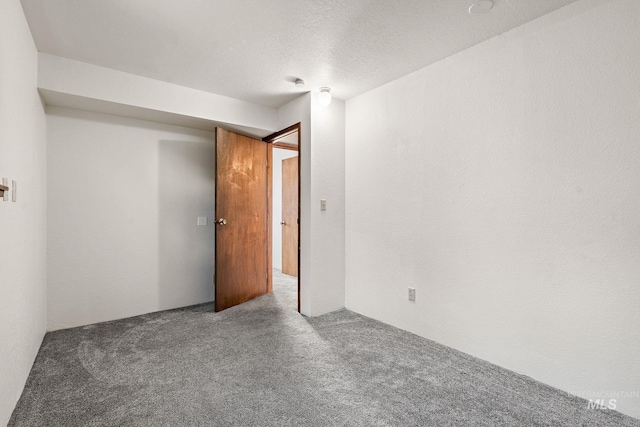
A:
320,213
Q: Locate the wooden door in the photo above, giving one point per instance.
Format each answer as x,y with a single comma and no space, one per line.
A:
290,216
241,258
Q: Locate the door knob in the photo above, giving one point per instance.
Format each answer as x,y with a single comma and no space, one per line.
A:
282,223
221,221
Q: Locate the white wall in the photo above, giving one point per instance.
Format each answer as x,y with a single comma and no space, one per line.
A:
123,204
322,236
22,224
328,182
279,155
503,184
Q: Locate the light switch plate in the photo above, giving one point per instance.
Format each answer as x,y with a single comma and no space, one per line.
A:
202,220
323,204
14,190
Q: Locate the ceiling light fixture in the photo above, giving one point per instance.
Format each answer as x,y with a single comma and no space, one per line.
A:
480,7
299,83
325,96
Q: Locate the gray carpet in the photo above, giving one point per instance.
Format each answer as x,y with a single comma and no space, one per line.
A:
262,364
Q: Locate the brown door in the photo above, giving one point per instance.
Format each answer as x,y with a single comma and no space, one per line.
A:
290,216
241,271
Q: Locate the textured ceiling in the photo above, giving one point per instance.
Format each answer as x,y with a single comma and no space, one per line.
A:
254,49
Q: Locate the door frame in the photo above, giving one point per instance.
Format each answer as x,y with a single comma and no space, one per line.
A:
269,139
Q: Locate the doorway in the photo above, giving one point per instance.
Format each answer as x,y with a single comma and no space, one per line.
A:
246,221
285,198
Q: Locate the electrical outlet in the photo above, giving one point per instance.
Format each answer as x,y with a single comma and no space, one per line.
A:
412,294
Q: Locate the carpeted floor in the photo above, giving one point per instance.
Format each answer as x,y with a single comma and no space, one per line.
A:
262,364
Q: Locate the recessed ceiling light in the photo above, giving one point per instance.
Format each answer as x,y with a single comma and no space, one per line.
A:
480,7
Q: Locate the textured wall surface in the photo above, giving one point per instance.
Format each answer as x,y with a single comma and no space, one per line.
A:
327,178
321,177
22,224
503,184
123,237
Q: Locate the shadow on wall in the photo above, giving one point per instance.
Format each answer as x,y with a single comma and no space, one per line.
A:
186,180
